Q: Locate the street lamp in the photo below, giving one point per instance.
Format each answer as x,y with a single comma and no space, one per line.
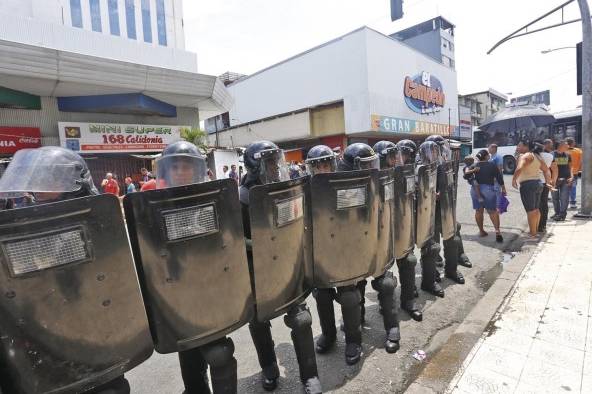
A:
555,49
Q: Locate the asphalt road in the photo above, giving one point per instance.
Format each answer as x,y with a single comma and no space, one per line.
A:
378,371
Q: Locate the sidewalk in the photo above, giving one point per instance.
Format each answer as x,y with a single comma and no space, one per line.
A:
541,338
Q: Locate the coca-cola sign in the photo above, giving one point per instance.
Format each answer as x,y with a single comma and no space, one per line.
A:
15,138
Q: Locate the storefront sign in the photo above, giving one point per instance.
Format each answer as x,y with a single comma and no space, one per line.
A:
15,138
111,137
424,93
408,126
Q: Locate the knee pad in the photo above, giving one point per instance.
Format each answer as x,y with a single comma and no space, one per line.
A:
385,284
299,320
219,353
349,298
434,249
458,227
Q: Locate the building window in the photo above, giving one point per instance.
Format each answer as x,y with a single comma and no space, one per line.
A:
130,18
113,17
95,15
76,13
146,24
161,22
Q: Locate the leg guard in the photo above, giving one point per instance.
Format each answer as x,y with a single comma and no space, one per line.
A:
299,320
220,356
462,257
119,385
407,277
265,347
451,255
428,264
349,299
361,285
324,299
194,371
385,286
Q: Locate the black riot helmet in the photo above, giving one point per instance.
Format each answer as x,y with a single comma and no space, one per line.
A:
265,164
445,152
429,152
181,163
389,154
408,150
359,156
50,173
321,159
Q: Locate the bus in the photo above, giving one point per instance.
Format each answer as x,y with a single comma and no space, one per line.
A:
567,124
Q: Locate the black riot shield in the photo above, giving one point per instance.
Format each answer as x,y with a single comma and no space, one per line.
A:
282,245
345,224
404,221
190,252
425,203
385,251
447,209
72,311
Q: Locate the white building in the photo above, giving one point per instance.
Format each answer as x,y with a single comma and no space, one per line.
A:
361,87
108,65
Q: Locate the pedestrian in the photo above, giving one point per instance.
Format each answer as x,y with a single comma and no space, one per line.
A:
232,174
486,177
469,175
499,162
547,157
564,181
150,184
131,188
109,185
224,172
576,168
527,178
146,175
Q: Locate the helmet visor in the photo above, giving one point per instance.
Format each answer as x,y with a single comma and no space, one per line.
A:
445,151
429,153
321,165
392,157
38,171
179,170
367,163
272,166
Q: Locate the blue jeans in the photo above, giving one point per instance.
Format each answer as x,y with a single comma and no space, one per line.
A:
572,191
561,199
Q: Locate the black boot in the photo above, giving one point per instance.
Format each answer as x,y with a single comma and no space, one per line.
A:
194,371
324,299
299,321
265,347
220,356
463,259
385,286
408,290
428,269
349,299
451,254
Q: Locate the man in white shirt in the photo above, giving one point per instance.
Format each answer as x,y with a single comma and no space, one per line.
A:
547,157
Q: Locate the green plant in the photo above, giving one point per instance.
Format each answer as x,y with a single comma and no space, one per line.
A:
195,136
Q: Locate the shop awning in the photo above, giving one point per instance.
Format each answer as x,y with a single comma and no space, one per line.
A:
18,100
131,103
53,73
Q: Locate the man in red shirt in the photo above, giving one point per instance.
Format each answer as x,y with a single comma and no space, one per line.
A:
150,184
110,185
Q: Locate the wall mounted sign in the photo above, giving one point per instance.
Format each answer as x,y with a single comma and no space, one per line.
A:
424,93
15,138
408,126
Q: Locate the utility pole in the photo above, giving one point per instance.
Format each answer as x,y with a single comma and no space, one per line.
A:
586,192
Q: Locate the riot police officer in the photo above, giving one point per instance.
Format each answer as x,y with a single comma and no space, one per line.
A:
69,264
408,261
321,160
427,162
446,210
265,165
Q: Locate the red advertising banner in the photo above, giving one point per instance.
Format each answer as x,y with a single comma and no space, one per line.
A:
15,138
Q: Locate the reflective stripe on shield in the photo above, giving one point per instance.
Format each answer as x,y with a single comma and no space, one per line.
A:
385,231
282,245
345,224
426,203
189,247
72,312
404,221
446,201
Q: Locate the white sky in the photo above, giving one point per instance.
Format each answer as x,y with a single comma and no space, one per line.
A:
247,35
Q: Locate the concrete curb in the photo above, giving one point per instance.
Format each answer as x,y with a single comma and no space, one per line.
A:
443,367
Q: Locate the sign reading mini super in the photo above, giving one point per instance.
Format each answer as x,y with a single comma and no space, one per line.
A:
109,137
408,126
424,93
